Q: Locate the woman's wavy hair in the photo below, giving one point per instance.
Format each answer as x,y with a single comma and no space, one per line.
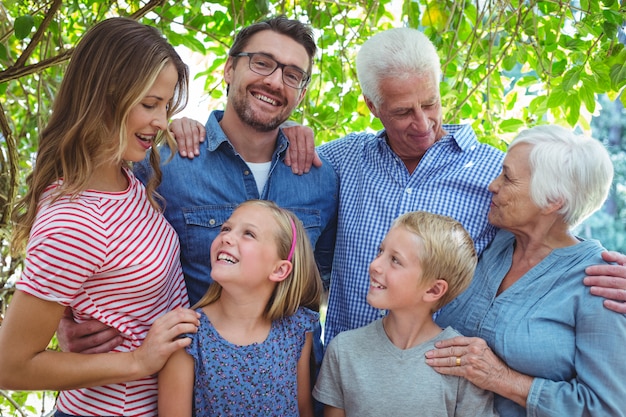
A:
111,70
303,286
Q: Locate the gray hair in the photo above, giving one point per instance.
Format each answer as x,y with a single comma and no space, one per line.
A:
395,53
574,169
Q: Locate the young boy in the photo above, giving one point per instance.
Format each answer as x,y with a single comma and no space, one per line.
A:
424,262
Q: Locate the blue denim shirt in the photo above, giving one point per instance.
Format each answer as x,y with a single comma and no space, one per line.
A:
201,194
547,325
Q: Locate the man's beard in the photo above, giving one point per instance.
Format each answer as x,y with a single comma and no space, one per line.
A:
248,116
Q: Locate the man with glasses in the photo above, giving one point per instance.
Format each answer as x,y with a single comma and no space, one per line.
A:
267,72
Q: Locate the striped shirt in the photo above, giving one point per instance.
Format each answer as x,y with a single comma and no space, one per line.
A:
112,257
375,188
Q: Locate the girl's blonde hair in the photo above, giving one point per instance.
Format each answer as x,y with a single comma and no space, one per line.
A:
111,70
447,253
303,286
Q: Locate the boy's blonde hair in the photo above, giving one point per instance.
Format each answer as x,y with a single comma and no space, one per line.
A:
303,286
447,252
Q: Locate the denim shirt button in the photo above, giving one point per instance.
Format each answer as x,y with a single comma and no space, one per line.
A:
212,222
246,172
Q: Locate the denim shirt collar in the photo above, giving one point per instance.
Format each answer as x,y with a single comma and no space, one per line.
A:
215,136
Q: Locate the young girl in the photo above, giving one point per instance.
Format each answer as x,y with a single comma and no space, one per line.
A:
251,354
96,240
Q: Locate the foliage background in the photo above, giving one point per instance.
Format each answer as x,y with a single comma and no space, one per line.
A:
507,64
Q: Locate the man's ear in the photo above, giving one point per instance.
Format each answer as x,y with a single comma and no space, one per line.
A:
228,70
301,96
281,271
370,105
436,291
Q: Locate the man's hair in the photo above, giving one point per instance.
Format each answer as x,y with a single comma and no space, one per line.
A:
395,53
296,30
573,169
447,251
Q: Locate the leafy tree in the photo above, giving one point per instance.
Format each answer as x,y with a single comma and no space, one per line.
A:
507,64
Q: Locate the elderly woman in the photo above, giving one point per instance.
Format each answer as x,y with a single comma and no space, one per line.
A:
540,341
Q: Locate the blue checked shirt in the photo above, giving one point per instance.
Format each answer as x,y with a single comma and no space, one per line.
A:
375,188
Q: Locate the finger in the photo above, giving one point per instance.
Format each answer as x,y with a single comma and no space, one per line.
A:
106,346
612,256
618,307
184,131
605,281
180,317
198,138
190,137
290,155
455,341
614,272
309,150
100,342
317,161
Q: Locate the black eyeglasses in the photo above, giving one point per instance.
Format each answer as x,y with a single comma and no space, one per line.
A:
264,64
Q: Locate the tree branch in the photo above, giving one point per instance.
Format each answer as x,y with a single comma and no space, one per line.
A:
56,4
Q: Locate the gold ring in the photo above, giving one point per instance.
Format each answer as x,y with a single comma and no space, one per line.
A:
458,361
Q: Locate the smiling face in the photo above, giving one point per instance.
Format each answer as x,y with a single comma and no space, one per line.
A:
245,249
396,272
264,101
511,205
147,118
410,110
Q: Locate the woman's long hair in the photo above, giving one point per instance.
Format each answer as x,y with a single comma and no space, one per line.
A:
112,69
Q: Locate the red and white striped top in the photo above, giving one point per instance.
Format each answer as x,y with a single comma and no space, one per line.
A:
114,258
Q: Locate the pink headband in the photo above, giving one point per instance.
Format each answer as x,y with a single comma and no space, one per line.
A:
293,239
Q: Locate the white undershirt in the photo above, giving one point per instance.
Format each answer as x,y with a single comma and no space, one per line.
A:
260,171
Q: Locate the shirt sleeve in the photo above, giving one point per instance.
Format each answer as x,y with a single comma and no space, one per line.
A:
474,401
62,253
328,389
599,387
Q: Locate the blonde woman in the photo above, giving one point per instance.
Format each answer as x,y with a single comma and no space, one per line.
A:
96,241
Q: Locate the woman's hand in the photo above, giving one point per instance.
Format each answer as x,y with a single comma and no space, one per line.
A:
164,338
472,359
189,134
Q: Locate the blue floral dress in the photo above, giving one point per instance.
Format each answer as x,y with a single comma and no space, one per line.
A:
254,380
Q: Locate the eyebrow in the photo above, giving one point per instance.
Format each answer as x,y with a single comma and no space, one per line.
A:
276,59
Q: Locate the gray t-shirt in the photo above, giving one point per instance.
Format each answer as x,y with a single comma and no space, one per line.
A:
365,374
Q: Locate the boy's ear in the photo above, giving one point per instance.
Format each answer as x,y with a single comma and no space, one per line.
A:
436,291
281,271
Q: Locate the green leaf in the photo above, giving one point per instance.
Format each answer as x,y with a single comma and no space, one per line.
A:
618,75
588,97
573,109
570,79
511,125
556,98
23,26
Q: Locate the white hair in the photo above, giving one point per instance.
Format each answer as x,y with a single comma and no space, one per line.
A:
395,53
573,169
